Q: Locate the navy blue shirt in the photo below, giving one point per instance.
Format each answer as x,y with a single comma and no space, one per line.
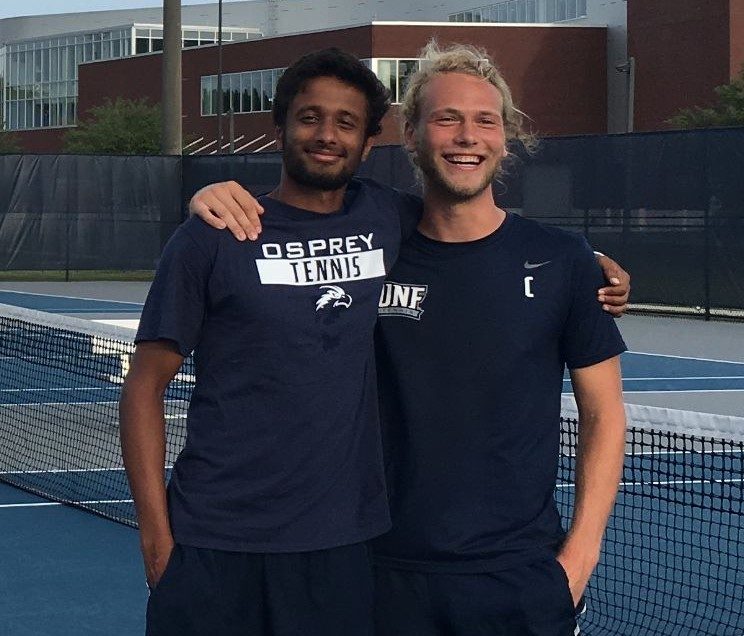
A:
471,342
283,449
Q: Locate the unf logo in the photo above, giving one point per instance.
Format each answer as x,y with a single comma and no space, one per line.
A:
398,299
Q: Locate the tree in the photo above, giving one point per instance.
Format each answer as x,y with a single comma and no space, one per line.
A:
727,111
9,144
121,127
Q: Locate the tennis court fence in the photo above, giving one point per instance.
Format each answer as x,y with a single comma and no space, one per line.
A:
669,206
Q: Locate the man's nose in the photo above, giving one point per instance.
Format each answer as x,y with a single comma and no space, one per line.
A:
326,131
466,133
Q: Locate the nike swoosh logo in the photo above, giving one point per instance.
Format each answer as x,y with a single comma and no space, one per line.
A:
528,265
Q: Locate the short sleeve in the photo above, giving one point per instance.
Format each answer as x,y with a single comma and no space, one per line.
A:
176,304
590,334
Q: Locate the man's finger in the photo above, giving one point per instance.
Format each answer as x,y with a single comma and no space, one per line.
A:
207,215
247,219
246,203
614,291
615,310
243,207
614,301
246,199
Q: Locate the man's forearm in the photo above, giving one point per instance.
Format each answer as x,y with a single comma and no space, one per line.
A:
599,464
143,450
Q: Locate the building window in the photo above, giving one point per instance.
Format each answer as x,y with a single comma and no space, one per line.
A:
38,78
190,39
394,74
41,87
529,11
247,92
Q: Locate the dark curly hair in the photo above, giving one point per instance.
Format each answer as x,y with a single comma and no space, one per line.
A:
332,62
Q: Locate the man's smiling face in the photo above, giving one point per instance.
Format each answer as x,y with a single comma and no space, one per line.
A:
459,139
324,138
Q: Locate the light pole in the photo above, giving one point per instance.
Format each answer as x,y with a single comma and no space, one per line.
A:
172,137
628,68
220,98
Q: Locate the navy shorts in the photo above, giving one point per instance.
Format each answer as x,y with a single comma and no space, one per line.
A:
530,600
214,593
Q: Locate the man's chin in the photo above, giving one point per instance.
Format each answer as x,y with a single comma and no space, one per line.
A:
460,192
321,180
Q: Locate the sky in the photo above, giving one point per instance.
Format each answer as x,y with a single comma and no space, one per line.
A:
13,8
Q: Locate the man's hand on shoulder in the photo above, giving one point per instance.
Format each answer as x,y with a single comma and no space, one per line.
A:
614,298
228,205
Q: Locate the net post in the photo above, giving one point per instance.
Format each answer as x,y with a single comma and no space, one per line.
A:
706,257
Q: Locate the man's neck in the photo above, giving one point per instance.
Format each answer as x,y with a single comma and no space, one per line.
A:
457,221
307,198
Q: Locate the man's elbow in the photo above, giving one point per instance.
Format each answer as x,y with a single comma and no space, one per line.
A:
138,393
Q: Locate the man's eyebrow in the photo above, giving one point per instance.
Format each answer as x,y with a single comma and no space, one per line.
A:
455,111
446,111
308,107
347,113
318,107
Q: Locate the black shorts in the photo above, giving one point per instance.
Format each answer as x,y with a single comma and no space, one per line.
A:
214,593
530,600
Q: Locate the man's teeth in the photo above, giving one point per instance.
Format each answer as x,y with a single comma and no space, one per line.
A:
465,159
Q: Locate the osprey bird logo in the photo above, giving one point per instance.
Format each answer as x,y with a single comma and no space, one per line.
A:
333,293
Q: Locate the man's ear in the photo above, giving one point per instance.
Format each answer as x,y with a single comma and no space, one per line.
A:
279,135
367,147
409,137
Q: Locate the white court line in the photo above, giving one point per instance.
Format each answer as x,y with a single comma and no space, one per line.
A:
691,377
684,391
178,416
722,451
80,388
664,392
69,470
173,401
67,388
675,482
99,300
667,355
57,503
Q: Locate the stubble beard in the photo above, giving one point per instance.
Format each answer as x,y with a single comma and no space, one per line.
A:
435,179
298,170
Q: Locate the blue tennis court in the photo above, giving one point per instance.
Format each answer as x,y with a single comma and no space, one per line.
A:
68,305
674,548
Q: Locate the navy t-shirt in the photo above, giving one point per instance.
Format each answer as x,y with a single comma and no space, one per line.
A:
472,341
283,447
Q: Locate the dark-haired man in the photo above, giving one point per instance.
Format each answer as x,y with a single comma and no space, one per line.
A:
280,483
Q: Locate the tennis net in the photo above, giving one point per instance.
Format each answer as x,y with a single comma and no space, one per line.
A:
60,379
673,558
